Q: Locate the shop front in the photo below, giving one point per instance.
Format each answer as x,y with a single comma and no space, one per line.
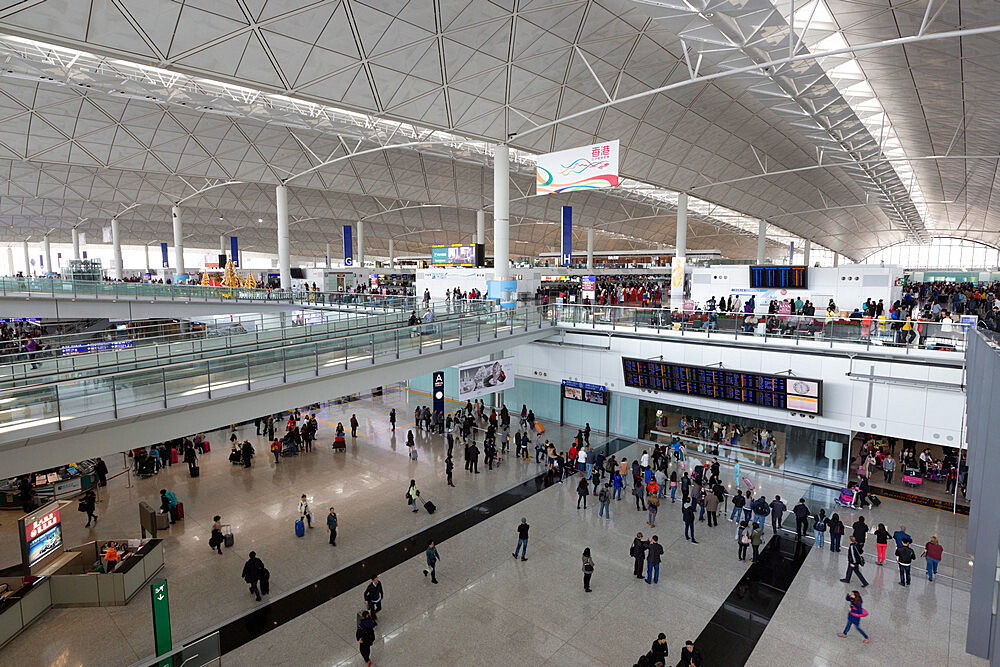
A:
781,448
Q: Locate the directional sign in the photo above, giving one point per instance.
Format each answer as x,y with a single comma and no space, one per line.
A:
161,620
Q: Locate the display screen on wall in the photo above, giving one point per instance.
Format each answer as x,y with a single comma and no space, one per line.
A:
457,255
789,277
768,391
588,393
41,533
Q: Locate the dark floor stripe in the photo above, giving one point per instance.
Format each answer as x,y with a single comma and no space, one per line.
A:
731,635
260,620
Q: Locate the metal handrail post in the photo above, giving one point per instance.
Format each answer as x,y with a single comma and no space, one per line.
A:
316,353
248,372
114,397
208,374
59,423
373,348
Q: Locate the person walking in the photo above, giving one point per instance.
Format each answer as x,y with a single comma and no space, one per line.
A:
588,569
253,572
449,468
305,514
190,458
638,552
836,531
639,491
101,470
673,486
743,540
216,539
604,497
412,494
474,458
778,508
801,513
331,526
854,615
354,426
900,536
756,539
687,513
653,504
654,552
87,504
860,531
365,634
392,418
739,500
819,528
712,508
855,559
582,490
373,598
522,540
904,558
432,558
933,553
881,542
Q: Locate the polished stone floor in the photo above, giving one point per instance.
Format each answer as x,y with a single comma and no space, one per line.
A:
488,609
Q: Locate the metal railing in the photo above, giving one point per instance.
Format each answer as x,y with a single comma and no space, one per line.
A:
244,332
104,289
908,335
52,406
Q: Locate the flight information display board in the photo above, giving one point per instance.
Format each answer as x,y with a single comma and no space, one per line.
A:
768,391
789,277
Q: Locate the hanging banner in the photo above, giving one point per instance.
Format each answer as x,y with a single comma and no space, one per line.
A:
791,252
567,235
485,377
677,275
106,232
438,378
83,238
348,246
583,168
234,251
164,256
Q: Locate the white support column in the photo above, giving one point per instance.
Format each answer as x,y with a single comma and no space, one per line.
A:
762,242
284,257
116,249
480,227
806,247
682,226
149,269
175,214
47,254
10,260
27,260
392,254
76,243
590,247
501,212
327,256
361,243
836,258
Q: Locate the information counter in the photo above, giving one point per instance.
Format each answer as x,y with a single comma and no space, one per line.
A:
53,484
81,582
23,600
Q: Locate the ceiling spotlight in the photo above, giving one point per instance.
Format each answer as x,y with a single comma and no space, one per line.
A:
260,219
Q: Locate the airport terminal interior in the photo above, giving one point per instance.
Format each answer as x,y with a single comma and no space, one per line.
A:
499,332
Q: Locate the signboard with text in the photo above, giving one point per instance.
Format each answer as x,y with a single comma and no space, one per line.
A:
582,168
41,534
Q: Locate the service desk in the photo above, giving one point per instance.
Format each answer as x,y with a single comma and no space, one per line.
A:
25,603
77,585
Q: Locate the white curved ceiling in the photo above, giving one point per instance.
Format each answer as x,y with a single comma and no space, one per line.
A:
482,69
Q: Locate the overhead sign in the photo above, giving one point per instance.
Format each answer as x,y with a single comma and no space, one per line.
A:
164,256
567,236
106,234
348,246
453,255
234,251
583,168
161,620
485,377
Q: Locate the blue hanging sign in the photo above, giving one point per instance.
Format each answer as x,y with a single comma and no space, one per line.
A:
163,255
348,246
567,235
234,251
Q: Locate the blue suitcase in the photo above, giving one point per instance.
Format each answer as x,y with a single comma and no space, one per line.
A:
300,528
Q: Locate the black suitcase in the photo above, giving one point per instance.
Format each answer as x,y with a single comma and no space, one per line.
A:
430,507
196,471
265,582
874,500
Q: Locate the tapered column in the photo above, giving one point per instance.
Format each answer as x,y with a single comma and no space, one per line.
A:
361,243
806,247
327,255
175,214
501,213
10,260
27,260
116,249
76,243
682,225
284,257
590,247
392,253
149,269
836,258
480,227
47,255
761,242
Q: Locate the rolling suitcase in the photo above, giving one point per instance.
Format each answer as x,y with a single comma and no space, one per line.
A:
265,582
177,512
300,528
206,446
874,500
196,471
162,521
430,507
173,455
227,538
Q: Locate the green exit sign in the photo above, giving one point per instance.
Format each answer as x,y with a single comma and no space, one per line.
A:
161,620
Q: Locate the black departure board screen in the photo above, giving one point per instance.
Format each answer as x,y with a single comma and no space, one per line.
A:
768,391
790,277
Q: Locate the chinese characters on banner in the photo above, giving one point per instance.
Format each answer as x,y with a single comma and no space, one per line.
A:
583,168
